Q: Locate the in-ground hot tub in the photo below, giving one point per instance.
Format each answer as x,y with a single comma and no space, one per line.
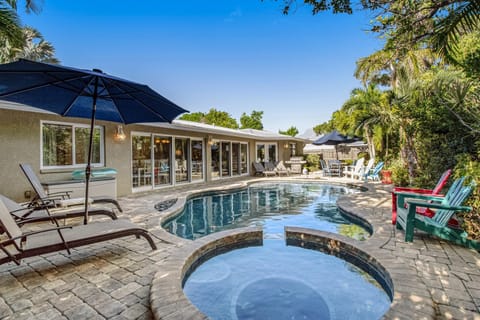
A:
229,275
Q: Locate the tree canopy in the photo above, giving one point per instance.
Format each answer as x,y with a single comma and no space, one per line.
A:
252,121
17,41
213,117
292,131
10,24
224,119
408,23
33,48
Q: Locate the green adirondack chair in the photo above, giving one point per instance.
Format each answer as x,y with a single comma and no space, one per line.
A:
445,207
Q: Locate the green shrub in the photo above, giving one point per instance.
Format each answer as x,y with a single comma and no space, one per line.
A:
313,161
399,173
467,166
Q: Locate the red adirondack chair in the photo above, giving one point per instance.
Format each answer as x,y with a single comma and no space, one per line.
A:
423,211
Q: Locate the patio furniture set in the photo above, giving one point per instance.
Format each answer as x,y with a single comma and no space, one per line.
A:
335,168
17,244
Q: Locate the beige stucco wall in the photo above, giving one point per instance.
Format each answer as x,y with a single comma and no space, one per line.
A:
20,142
20,136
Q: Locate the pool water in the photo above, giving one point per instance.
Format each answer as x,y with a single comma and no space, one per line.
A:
275,281
271,205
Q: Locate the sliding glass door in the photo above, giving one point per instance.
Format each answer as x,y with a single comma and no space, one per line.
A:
182,166
162,156
141,161
197,160
160,160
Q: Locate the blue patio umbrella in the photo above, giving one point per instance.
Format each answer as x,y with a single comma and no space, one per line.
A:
72,92
334,138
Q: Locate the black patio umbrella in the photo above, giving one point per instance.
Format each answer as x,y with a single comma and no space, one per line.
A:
72,92
333,138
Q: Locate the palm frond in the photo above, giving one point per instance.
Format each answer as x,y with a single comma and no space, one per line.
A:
464,18
10,26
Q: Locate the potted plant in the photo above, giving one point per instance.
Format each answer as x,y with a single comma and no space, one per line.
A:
386,176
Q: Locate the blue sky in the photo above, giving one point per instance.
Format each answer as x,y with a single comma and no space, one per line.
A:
233,55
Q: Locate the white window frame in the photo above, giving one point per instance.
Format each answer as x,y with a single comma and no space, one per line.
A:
140,134
204,158
73,125
265,145
248,157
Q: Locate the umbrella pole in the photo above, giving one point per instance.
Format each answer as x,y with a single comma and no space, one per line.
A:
90,149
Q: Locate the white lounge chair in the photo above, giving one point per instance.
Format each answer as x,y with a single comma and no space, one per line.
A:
281,169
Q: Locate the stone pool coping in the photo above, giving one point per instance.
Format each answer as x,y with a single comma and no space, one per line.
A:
167,300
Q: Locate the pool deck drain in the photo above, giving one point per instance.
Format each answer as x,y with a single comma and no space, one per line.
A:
112,280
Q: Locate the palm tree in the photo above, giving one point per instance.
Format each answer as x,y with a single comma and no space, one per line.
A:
10,29
10,26
34,48
366,110
382,66
463,18
436,24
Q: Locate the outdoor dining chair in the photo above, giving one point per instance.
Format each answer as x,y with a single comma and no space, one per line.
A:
356,170
325,168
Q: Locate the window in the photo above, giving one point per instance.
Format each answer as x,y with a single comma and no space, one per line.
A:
181,160
162,155
243,158
197,159
66,145
141,160
225,159
239,158
272,152
260,152
215,154
266,152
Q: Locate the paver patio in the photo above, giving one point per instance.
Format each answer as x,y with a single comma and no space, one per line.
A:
111,280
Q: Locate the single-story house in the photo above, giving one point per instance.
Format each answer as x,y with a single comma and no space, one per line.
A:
145,156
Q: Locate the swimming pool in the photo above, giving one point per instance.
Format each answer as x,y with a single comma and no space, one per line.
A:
270,205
